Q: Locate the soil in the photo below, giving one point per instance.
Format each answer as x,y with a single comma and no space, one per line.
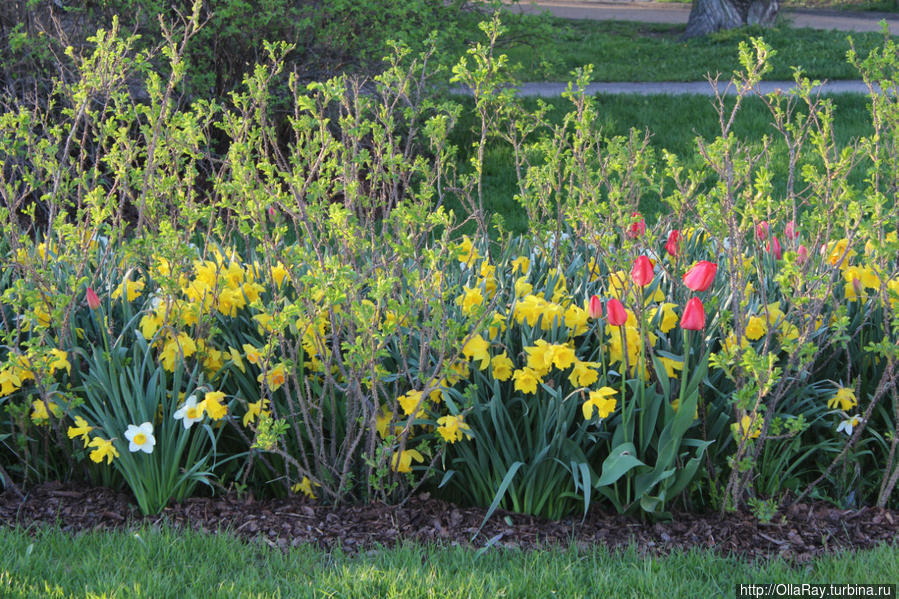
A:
798,533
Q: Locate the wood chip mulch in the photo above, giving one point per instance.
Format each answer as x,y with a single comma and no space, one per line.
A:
798,533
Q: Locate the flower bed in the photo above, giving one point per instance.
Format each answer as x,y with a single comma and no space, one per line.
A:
193,298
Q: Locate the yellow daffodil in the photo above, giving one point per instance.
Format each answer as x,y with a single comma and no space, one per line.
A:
274,377
133,290
668,318
838,252
305,487
212,405
470,299
254,356
526,380
540,356
522,287
476,348
402,462
411,403
174,348
81,429
583,374
671,366
254,411
577,319
600,401
9,382
502,367
458,370
279,274
60,361
562,356
497,325
521,264
451,428
41,410
466,252
236,359
103,449
383,420
755,328
845,398
529,309
750,428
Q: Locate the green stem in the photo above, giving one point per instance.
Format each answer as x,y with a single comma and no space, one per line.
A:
625,416
685,370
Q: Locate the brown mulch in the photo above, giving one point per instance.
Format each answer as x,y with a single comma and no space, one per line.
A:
799,533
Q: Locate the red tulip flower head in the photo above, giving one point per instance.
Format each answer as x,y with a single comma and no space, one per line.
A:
642,272
93,302
638,228
693,318
801,254
595,308
774,247
700,275
790,231
761,230
615,313
672,245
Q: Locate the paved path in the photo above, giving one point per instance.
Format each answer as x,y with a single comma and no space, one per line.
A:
671,12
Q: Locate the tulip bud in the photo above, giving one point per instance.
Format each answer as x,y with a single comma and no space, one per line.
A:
701,275
761,230
673,243
801,254
93,302
615,313
693,318
642,272
595,308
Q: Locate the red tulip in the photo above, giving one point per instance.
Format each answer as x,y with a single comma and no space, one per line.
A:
790,231
93,302
773,247
642,272
801,254
671,246
595,308
615,313
638,227
761,230
701,275
694,315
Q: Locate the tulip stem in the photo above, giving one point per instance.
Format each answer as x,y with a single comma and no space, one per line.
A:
625,417
685,370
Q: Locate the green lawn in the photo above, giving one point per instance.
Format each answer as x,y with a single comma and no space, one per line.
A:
549,48
164,563
673,121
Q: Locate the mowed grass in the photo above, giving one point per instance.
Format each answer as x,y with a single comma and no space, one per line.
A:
674,123
161,563
549,48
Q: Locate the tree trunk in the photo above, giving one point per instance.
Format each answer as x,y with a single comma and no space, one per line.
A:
708,16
